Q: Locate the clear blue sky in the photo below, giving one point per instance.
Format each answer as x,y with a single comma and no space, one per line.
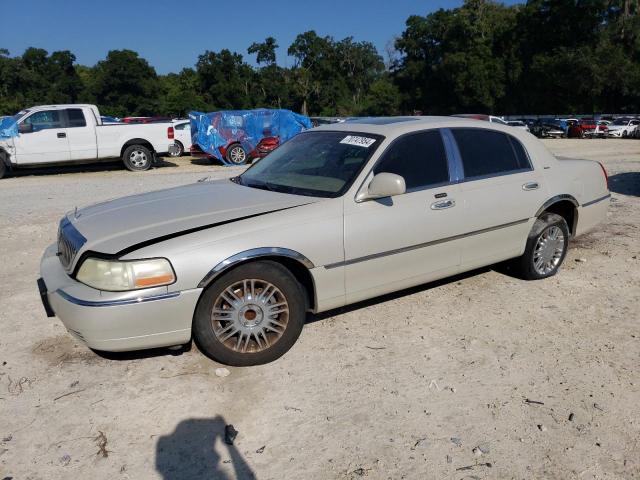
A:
171,34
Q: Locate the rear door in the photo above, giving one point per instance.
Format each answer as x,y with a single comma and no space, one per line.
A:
500,192
81,134
42,138
405,240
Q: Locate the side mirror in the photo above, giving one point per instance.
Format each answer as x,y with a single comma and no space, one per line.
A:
383,185
25,128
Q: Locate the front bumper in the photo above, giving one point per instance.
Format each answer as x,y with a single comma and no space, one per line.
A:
116,321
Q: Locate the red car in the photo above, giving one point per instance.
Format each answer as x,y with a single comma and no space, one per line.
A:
264,147
587,127
145,119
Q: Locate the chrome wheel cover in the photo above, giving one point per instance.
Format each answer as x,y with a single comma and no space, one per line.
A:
249,316
237,155
549,250
138,158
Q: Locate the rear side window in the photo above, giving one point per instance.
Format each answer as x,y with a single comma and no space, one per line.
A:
487,152
419,158
181,126
76,118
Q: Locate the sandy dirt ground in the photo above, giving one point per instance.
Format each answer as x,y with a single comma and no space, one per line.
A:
479,376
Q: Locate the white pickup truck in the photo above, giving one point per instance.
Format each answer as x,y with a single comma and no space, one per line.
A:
57,134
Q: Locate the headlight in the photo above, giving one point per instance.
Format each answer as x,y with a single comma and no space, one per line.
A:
120,276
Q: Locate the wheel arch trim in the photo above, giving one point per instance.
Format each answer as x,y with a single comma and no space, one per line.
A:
253,254
560,198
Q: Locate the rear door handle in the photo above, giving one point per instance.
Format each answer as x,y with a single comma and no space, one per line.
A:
62,135
443,204
531,186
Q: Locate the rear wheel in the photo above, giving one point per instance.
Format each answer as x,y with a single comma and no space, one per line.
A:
178,151
250,316
546,247
137,158
236,154
3,167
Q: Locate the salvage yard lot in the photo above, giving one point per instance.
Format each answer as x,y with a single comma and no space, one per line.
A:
542,376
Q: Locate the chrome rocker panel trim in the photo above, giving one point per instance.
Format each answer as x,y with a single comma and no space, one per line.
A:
596,200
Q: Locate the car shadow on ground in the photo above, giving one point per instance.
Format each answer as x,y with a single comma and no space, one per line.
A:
196,450
80,168
627,183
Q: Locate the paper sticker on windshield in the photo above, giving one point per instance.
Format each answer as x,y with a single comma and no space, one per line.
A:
364,142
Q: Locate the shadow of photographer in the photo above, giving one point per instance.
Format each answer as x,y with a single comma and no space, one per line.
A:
195,450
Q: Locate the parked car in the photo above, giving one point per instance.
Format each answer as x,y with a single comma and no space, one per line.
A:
182,137
236,136
145,119
336,215
109,120
518,124
481,116
622,127
586,128
547,129
58,134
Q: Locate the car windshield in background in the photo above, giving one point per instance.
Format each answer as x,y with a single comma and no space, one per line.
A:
320,164
620,121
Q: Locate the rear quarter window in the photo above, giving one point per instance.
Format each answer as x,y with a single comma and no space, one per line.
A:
488,152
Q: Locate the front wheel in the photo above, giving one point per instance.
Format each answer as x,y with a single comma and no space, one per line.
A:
546,247
137,158
3,167
251,315
236,155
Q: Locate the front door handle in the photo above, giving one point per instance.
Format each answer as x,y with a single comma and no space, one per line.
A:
531,186
62,135
443,204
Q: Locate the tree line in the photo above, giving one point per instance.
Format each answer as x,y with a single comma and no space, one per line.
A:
544,56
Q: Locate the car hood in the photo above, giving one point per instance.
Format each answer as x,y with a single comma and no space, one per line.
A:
122,225
616,127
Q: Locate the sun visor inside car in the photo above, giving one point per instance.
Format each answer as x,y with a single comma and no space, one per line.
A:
211,131
8,127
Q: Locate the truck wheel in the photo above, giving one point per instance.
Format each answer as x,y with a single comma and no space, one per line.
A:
137,158
3,167
251,315
236,154
546,247
178,151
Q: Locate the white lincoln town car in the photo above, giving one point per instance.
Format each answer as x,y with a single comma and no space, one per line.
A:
338,214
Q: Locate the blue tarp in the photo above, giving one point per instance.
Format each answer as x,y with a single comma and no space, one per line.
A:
8,127
210,131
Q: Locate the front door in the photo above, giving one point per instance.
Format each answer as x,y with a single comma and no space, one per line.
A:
402,241
42,139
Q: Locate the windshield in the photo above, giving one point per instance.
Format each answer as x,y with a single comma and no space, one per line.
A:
319,164
620,121
17,116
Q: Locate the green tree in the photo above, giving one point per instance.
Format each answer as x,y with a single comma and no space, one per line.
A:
266,51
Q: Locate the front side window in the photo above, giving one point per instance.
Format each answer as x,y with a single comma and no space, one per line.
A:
75,118
322,164
419,158
44,120
488,152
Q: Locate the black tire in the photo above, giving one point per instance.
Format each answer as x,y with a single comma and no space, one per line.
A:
179,151
236,155
3,167
203,325
624,134
137,158
526,263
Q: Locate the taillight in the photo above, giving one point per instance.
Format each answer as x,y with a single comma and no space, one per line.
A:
606,177
170,133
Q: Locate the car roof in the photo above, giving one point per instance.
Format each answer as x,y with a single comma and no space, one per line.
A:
392,126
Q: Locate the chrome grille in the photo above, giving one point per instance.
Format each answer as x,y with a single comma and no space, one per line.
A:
70,241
